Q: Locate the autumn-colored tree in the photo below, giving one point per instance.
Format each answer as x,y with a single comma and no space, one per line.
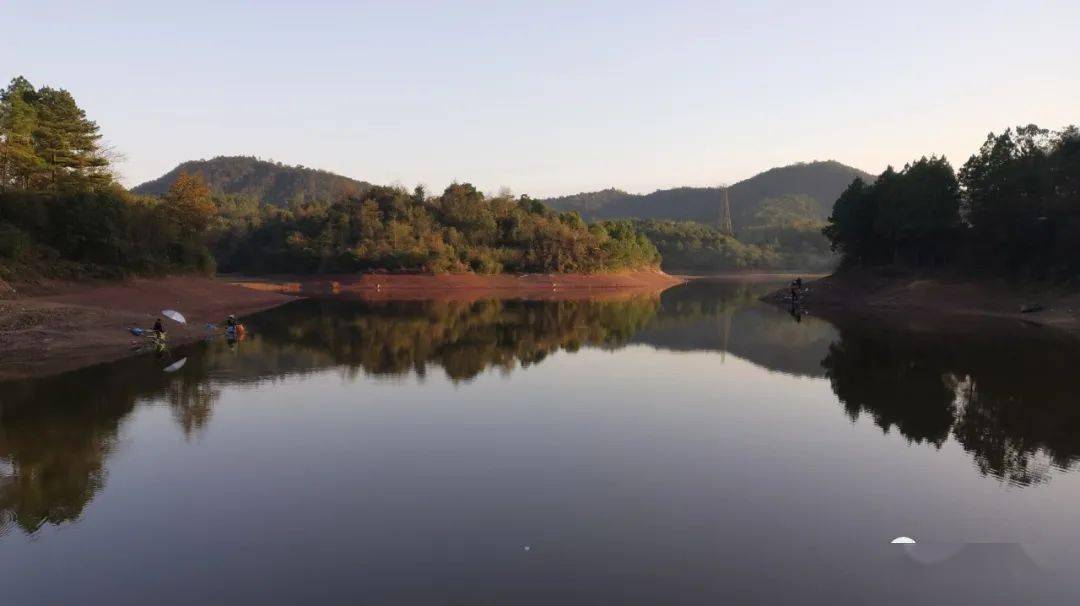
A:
189,204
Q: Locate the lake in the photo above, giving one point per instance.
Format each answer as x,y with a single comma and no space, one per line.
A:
695,446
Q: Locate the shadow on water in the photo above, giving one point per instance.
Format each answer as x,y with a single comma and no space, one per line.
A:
1008,402
1007,398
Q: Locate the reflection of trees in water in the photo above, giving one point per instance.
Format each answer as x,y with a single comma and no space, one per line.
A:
1012,408
192,403
1009,403
56,433
726,316
463,338
896,388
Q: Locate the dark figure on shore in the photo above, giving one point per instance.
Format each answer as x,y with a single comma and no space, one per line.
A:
159,328
231,322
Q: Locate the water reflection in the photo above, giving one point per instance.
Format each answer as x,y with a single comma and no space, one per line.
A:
462,338
55,436
1007,400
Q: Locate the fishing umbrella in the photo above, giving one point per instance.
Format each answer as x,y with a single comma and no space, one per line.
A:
175,366
172,314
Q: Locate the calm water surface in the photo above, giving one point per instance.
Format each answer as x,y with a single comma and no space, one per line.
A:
692,447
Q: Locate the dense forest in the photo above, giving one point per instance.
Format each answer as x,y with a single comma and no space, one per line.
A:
62,214
388,228
268,182
1013,209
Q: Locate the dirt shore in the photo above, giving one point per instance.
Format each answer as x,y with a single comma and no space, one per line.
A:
920,298
52,327
465,286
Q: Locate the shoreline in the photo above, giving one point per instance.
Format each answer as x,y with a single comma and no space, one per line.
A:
57,326
389,287
921,298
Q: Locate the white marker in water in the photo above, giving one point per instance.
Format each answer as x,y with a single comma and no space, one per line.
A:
527,548
903,541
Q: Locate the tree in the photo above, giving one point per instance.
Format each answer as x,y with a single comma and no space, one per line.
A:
68,142
19,162
910,217
1021,196
851,225
47,143
189,204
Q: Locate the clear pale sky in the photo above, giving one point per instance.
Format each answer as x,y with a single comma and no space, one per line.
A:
550,98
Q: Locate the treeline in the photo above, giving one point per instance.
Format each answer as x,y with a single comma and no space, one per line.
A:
62,214
462,230
1012,209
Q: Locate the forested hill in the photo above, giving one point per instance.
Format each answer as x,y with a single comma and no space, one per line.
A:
271,182
822,181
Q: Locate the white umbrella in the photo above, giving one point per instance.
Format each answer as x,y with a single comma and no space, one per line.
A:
175,366
172,314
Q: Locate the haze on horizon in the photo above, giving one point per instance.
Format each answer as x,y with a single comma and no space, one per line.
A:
550,100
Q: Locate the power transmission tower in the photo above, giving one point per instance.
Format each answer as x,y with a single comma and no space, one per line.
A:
726,226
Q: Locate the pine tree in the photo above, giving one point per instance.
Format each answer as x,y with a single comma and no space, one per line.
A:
68,142
19,162
47,143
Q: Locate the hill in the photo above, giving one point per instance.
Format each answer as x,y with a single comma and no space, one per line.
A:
270,182
820,181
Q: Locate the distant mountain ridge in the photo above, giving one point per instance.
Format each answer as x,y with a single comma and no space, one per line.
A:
821,180
270,182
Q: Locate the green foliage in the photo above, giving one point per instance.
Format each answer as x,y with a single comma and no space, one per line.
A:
909,217
1014,210
691,246
47,143
269,182
62,215
789,210
791,227
1022,202
104,233
388,228
15,244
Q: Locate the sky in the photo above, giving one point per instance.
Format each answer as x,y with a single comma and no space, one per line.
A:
550,98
